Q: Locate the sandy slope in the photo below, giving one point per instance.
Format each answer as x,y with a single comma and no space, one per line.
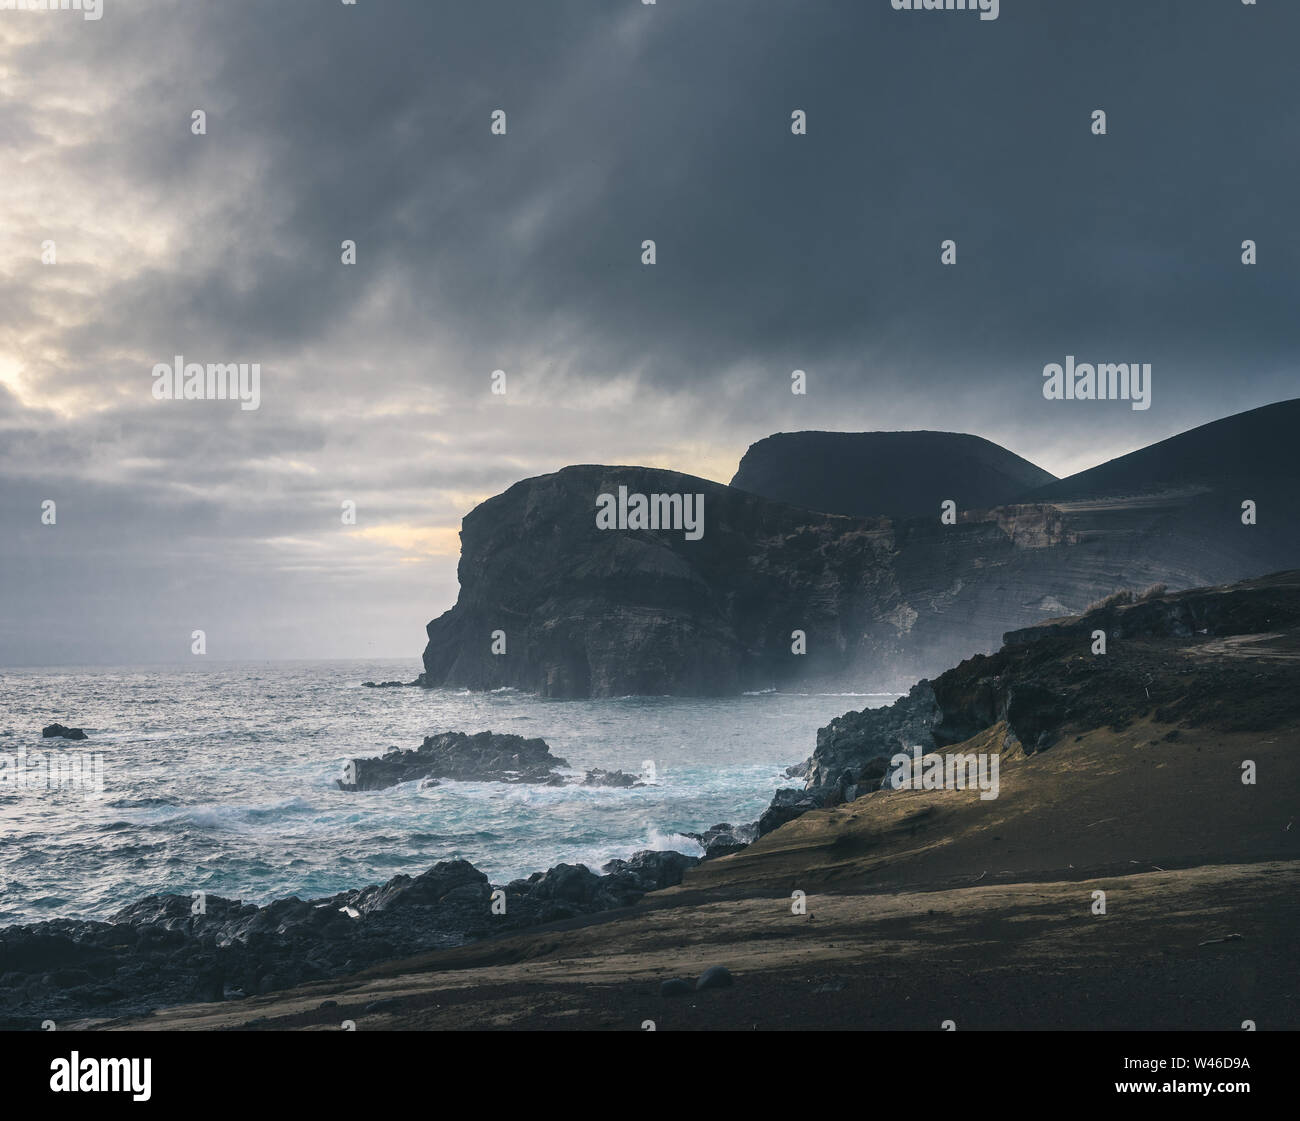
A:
1016,956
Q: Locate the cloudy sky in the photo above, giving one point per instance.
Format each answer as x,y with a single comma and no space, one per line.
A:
476,252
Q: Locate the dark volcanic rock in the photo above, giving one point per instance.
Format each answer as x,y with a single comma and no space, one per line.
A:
567,883
894,474
1034,713
724,839
856,739
485,757
599,777
786,806
51,730
649,870
449,881
157,951
1046,679
881,602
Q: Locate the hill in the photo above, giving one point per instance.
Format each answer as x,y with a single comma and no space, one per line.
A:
894,474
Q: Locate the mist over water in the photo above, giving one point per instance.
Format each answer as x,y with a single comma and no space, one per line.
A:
222,777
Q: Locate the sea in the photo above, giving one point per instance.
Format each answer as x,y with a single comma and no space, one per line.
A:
221,777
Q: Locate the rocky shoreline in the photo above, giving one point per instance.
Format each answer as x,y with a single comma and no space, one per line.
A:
172,949
1172,658
1047,679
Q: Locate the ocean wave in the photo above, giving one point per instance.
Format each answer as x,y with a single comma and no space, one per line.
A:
217,815
197,796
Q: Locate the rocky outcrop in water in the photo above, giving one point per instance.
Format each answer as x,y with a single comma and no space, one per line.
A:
158,951
52,730
485,757
598,776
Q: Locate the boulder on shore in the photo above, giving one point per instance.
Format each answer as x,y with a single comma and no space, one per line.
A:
160,951
724,838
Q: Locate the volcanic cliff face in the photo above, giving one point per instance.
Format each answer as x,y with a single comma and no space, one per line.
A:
575,610
895,474
585,611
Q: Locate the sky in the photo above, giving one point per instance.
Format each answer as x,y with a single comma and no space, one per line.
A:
478,251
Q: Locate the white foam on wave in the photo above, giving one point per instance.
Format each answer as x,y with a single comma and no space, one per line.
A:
596,856
236,774
673,842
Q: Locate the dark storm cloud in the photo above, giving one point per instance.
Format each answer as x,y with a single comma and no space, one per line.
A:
626,122
672,123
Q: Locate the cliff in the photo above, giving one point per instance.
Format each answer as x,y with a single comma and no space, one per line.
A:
554,604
